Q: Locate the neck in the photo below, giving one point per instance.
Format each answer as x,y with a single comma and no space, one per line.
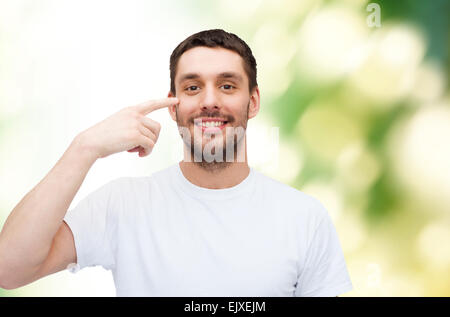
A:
215,175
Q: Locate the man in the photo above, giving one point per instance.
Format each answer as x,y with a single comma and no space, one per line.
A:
207,226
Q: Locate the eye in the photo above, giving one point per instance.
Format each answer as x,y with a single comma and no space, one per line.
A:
191,87
229,87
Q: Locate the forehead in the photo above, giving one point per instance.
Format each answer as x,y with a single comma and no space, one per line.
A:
209,62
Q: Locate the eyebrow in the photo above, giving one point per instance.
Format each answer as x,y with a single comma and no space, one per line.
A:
228,75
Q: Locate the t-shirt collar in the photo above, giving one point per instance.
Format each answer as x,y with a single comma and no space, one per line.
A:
191,189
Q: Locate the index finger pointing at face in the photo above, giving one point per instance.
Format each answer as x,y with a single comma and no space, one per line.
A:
152,105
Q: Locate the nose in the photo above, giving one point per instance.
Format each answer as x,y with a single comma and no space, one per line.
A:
210,100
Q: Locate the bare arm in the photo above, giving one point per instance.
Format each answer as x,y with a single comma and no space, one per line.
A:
35,241
28,232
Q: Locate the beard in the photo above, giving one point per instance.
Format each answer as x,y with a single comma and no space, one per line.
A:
220,145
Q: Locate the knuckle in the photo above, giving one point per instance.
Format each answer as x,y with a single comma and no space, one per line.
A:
132,112
136,125
146,131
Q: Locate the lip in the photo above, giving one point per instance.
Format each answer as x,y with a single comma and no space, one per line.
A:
212,129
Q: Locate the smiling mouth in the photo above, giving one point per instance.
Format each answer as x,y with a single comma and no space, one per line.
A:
210,125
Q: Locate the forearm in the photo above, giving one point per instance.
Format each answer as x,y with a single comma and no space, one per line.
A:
27,234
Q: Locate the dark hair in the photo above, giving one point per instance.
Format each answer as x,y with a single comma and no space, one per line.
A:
215,38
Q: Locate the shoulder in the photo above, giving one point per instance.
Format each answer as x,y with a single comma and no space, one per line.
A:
290,198
279,190
156,176
131,186
121,184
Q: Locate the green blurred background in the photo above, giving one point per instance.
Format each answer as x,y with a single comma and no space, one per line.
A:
363,113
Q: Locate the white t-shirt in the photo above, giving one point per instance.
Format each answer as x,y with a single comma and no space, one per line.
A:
161,235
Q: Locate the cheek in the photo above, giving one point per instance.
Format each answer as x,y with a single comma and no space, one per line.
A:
239,98
186,109
186,105
239,105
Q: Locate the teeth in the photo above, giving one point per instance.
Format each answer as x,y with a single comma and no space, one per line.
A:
208,124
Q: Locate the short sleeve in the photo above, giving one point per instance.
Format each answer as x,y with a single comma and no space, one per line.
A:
92,223
324,273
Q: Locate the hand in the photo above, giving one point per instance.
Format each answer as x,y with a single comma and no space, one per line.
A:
127,130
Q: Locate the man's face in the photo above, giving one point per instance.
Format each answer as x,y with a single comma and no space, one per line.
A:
212,85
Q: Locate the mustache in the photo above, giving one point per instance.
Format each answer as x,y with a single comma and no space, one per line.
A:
211,114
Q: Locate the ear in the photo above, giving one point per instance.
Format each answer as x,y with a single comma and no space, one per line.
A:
254,103
172,109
